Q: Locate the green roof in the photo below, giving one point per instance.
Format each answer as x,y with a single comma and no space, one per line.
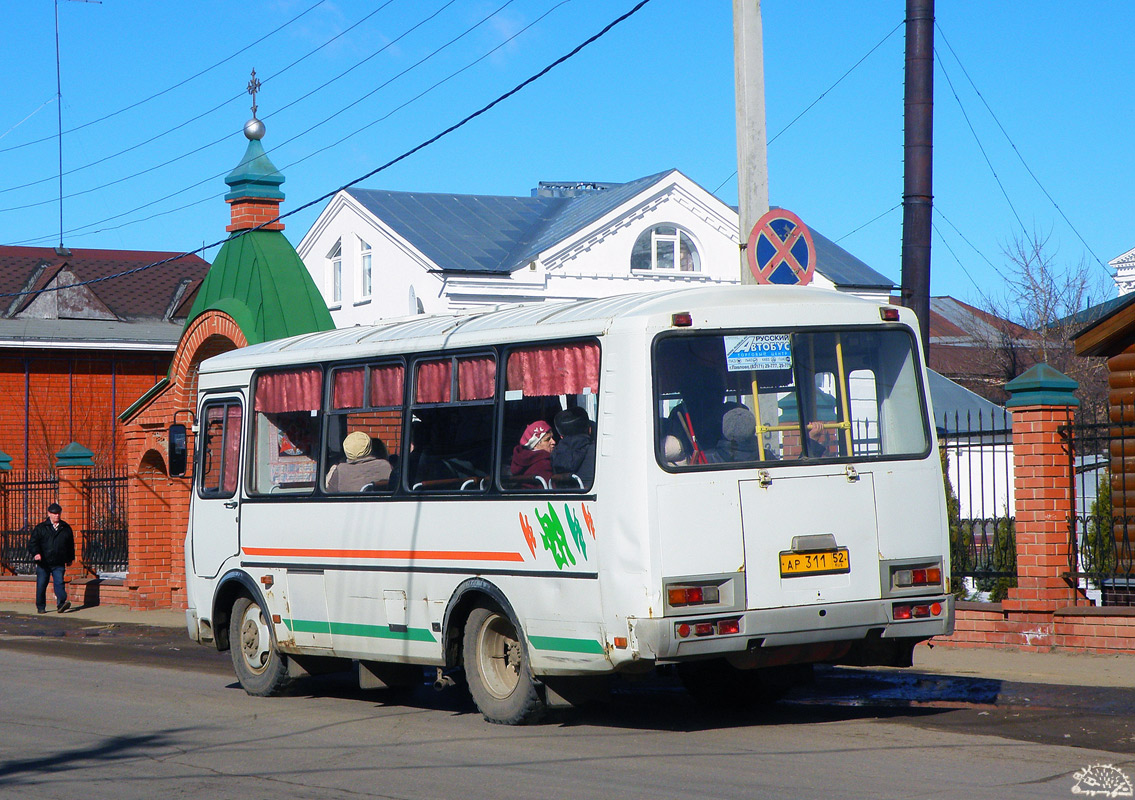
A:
259,280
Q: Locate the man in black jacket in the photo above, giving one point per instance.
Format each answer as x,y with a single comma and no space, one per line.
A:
52,547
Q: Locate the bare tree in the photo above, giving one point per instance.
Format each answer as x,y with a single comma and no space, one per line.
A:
1042,305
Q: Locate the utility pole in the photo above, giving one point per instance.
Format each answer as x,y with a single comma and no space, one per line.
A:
61,250
918,161
752,148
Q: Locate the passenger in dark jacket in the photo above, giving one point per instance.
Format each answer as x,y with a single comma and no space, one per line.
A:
52,548
739,438
575,451
532,458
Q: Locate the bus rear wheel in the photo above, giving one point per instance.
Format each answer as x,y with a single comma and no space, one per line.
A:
261,669
497,669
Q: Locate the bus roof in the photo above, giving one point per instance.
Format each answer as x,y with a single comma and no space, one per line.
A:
556,320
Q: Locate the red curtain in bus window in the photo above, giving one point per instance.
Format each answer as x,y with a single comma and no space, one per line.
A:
476,378
347,388
433,382
232,448
386,385
292,390
560,369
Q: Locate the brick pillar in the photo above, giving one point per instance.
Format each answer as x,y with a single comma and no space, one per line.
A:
72,465
1041,402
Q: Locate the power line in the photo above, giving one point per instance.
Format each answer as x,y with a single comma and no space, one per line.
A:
333,144
822,95
946,244
1018,152
171,88
977,139
868,222
327,119
217,107
421,146
974,247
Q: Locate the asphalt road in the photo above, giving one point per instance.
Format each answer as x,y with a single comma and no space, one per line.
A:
127,711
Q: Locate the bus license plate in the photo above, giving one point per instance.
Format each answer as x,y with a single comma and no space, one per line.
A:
821,562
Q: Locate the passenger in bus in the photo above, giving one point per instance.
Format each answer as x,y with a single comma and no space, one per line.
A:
696,421
819,439
532,457
672,452
366,465
574,453
739,438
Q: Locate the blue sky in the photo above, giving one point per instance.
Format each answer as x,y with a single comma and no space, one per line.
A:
655,93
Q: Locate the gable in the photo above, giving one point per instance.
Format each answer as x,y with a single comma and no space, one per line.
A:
72,302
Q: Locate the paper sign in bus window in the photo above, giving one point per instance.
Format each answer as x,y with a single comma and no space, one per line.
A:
758,352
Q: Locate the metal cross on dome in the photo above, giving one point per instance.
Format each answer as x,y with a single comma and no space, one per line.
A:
253,88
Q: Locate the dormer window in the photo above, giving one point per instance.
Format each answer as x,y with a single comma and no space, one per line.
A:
335,279
665,247
364,270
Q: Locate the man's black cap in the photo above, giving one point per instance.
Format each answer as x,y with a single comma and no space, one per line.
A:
55,508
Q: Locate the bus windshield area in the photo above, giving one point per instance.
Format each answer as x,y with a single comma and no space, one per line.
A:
775,396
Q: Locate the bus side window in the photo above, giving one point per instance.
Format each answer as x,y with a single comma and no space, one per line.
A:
557,385
452,419
287,407
364,429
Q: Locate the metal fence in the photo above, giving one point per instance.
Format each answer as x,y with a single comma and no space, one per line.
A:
105,541
24,503
1101,528
977,459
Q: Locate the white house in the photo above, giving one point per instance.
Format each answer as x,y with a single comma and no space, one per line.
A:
378,254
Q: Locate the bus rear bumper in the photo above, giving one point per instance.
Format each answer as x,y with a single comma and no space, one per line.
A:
868,620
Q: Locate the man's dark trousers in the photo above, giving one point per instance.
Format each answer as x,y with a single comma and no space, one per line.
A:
41,576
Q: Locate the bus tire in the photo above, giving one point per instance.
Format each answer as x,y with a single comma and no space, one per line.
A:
261,669
497,669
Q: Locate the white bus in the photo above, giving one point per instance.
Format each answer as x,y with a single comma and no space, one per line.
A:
744,482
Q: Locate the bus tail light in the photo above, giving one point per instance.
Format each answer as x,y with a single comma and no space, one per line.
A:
924,576
692,595
727,626
889,314
901,611
722,627
683,319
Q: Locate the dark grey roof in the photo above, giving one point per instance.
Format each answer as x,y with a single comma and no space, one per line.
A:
487,233
843,269
957,408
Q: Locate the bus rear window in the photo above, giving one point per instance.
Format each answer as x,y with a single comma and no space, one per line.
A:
754,397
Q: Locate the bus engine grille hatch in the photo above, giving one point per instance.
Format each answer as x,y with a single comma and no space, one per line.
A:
810,540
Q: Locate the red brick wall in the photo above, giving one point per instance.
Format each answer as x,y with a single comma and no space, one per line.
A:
53,399
1097,630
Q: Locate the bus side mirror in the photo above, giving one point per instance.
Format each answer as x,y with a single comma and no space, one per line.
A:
177,450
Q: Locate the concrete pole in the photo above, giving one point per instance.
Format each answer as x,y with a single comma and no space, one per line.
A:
752,148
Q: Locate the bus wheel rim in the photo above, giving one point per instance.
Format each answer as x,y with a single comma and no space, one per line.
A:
255,641
500,656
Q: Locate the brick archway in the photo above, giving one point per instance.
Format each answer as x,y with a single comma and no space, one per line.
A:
159,503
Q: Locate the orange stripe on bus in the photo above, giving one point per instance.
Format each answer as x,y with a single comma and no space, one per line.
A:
410,555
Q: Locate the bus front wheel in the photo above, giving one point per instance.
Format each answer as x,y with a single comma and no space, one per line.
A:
259,666
497,669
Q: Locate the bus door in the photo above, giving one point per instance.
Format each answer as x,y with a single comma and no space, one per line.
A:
216,508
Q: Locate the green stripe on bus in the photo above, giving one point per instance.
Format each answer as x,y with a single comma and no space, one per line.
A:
355,629
564,645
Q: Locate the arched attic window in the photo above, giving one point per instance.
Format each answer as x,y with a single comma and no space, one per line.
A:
665,247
